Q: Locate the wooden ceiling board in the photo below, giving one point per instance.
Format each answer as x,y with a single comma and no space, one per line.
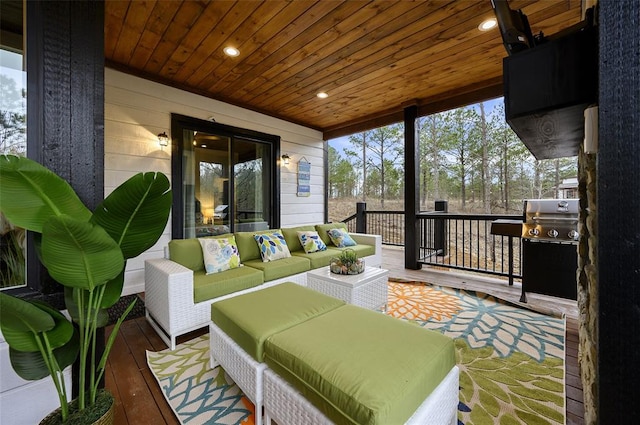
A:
242,39
137,15
335,61
157,24
306,61
204,44
115,12
250,68
373,57
387,61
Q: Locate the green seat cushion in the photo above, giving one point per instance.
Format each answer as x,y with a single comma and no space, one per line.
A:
188,252
291,236
318,258
280,268
359,366
207,287
360,249
322,231
251,318
247,246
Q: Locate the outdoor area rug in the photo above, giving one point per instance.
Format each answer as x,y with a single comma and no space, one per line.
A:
511,361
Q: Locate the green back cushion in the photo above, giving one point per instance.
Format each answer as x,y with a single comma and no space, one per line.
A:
188,252
291,236
247,245
251,318
322,231
320,258
361,366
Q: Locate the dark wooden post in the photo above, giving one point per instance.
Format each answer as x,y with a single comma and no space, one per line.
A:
65,101
618,200
440,229
411,191
361,217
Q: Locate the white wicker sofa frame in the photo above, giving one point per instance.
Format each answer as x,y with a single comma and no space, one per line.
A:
169,300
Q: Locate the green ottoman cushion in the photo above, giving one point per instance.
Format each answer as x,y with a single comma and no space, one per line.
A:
282,267
251,318
359,366
207,287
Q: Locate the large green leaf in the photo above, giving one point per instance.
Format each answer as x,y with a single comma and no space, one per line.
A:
31,366
30,194
136,212
79,254
22,316
23,322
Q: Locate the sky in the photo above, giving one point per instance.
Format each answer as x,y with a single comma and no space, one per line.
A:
341,143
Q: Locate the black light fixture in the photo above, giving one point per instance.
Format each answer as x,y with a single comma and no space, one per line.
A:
163,139
285,159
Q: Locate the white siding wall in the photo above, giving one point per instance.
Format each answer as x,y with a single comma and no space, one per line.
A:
136,110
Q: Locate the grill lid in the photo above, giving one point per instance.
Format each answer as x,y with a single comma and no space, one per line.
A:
551,219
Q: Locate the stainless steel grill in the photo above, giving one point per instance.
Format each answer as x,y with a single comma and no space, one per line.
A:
551,220
549,247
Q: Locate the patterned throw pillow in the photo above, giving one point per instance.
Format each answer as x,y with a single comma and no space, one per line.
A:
219,254
341,238
311,242
272,246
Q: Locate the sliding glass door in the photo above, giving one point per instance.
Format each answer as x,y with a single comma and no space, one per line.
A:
229,179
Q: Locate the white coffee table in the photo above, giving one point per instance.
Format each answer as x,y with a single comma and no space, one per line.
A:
367,289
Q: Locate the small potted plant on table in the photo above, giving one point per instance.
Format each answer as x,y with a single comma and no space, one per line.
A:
347,263
85,252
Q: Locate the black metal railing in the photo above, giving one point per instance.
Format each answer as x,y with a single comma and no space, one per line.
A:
457,241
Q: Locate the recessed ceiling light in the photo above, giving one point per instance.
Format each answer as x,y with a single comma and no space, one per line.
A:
322,95
231,51
488,24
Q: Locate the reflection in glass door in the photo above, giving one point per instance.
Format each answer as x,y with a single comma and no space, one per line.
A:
251,193
229,181
13,133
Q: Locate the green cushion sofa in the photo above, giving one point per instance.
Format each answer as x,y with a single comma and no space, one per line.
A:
178,292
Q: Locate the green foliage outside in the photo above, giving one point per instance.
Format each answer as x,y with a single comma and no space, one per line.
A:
468,156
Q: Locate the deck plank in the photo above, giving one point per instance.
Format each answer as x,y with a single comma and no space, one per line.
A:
140,401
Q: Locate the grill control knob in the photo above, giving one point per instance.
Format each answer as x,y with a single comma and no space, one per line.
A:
553,233
534,232
573,234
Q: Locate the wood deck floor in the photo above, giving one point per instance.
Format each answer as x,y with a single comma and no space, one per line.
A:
139,400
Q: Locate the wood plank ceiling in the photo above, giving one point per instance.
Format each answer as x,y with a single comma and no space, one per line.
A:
373,58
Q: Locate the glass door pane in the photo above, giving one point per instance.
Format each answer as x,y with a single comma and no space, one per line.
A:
13,132
229,179
252,173
206,184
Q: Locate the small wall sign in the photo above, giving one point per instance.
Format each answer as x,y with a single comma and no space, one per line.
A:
304,177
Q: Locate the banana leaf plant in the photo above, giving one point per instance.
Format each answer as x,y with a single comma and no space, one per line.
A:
85,252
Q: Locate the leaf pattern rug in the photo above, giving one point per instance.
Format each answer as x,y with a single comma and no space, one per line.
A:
511,361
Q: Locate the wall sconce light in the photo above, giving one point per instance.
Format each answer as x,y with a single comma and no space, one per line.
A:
285,159
163,139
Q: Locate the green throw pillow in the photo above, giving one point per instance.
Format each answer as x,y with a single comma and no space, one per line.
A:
272,246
